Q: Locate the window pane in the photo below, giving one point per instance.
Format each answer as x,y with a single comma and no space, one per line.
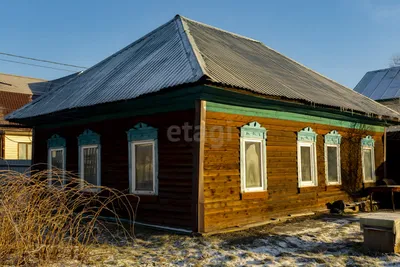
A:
332,164
253,164
305,163
90,164
367,164
29,151
22,151
57,158
144,167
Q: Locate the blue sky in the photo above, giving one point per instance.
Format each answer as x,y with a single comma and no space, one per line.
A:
340,39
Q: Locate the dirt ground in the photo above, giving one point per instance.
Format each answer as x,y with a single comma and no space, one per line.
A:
323,240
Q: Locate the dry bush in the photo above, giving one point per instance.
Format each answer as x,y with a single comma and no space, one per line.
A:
42,223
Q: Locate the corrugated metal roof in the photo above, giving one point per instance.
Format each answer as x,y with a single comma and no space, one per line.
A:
183,51
44,87
380,84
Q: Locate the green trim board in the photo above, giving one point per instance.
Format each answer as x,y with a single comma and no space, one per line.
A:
275,114
223,96
180,100
184,98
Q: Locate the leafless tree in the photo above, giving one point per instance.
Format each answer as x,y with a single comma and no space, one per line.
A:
395,60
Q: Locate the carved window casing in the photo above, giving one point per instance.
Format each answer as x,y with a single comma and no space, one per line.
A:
56,160
307,157
368,159
253,163
332,158
90,158
143,159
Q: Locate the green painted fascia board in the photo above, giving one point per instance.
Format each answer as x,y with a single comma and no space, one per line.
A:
274,114
184,98
218,95
173,101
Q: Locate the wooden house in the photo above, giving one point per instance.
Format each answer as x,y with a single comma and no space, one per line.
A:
383,86
211,129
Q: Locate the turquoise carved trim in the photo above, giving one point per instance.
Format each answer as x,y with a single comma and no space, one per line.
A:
368,141
88,137
307,135
253,130
142,131
333,138
56,141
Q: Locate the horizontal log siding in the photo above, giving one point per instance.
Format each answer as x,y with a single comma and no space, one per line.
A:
172,207
223,205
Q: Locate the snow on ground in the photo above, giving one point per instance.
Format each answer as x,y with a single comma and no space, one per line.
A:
318,241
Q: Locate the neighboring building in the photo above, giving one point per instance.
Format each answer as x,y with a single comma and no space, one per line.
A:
15,92
15,139
211,129
384,87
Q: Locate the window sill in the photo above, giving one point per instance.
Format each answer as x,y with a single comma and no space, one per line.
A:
308,186
333,184
253,195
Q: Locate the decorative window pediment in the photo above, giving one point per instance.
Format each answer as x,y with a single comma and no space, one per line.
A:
307,135
253,130
142,131
333,138
56,141
368,141
88,137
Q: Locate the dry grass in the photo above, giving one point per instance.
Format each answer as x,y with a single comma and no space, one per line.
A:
42,223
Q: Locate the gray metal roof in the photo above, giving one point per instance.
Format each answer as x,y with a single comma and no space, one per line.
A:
380,84
183,51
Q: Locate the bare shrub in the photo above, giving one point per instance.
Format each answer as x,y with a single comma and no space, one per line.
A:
42,223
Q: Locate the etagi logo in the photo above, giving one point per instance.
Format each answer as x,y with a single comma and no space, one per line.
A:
214,135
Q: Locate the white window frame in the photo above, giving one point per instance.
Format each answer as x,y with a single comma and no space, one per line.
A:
313,154
132,167
372,163
81,164
263,155
338,165
50,163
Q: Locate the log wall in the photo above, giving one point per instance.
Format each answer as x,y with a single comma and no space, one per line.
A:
173,205
225,207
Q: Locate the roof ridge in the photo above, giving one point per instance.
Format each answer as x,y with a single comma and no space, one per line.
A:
20,76
37,100
192,51
257,41
218,29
